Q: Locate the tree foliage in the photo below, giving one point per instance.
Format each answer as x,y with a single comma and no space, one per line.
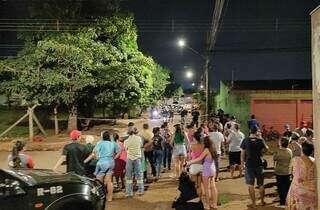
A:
200,97
99,64
178,92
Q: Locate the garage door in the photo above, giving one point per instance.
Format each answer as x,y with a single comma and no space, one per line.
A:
305,112
275,113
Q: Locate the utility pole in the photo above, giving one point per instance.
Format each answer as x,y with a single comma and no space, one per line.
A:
315,46
206,69
211,40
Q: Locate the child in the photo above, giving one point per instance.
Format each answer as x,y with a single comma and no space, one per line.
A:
17,159
120,163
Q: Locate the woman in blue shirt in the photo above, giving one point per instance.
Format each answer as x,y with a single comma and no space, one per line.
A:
106,152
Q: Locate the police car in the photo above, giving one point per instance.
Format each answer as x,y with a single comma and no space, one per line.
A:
25,189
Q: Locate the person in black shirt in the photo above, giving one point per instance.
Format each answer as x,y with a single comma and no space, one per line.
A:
251,160
183,115
195,117
158,145
73,154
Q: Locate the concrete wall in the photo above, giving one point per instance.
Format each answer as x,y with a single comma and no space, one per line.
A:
238,102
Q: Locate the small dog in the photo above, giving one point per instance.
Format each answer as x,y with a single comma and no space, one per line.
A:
189,199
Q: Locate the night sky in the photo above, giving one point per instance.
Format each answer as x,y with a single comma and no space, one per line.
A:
258,39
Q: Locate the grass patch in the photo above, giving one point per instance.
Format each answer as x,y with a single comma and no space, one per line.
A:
8,117
223,199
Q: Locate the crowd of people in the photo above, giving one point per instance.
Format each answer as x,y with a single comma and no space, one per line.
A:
196,149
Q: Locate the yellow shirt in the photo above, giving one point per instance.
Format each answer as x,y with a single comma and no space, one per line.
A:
146,134
133,146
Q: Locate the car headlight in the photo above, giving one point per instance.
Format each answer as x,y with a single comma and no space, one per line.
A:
155,113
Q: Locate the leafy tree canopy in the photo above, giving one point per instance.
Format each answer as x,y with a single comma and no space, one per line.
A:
99,63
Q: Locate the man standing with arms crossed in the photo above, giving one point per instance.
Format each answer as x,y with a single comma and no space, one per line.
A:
251,158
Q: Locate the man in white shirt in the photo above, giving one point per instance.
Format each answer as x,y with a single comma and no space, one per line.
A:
232,123
134,146
217,139
234,140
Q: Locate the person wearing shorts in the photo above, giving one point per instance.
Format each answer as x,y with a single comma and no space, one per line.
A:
106,152
234,140
208,174
251,158
217,139
179,150
195,169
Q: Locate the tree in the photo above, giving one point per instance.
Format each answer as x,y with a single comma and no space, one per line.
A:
161,78
178,92
172,90
100,64
55,70
72,9
200,97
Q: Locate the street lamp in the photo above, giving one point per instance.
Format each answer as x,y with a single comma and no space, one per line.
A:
189,74
193,84
181,43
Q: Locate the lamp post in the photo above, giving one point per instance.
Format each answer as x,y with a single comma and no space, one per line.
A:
189,74
182,44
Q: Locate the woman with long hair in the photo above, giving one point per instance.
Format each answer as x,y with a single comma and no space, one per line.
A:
179,150
302,194
208,173
17,159
106,152
196,168
157,151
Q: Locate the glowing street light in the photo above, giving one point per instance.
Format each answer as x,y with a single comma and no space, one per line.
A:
181,43
193,84
189,74
201,86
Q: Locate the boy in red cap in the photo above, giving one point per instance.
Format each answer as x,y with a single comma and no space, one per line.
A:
73,154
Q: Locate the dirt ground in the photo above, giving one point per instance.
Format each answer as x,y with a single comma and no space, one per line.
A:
160,195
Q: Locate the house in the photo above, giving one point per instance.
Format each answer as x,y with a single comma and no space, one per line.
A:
273,102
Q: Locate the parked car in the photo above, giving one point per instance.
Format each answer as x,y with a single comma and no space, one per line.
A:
31,189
